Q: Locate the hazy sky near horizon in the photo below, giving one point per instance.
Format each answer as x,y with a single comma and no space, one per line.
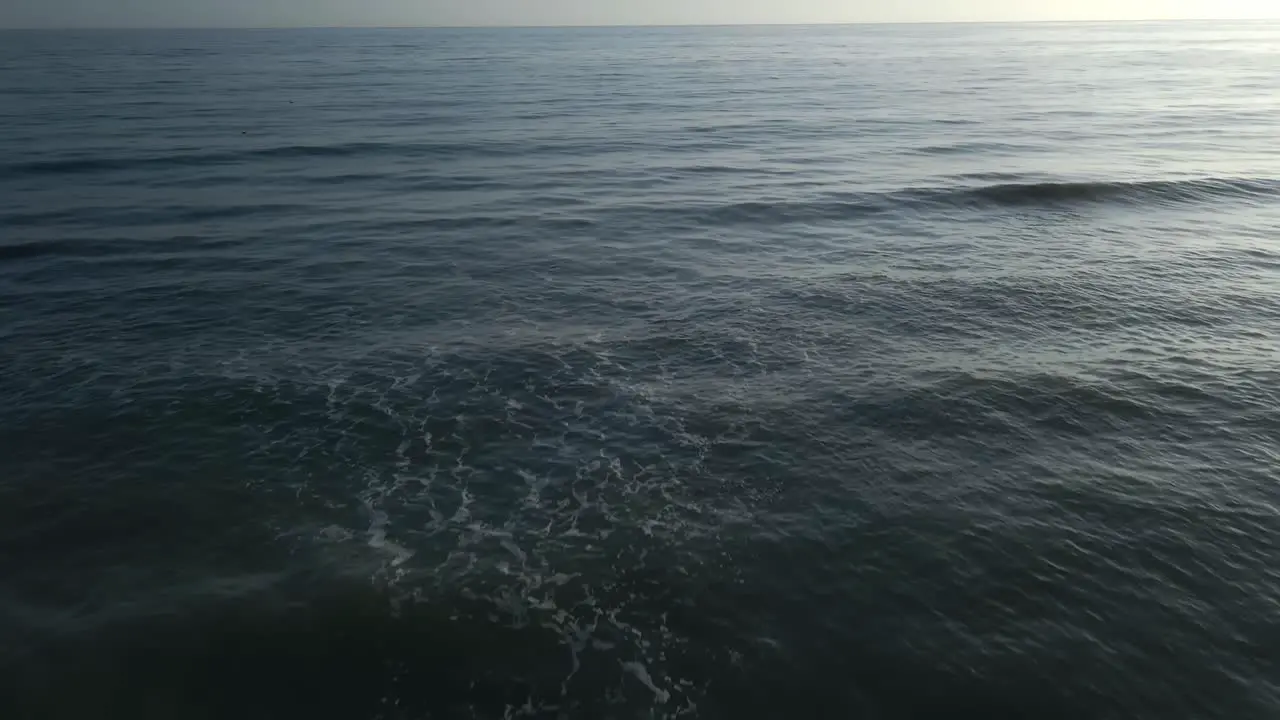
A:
274,13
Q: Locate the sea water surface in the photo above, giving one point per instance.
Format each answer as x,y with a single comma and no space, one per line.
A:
884,372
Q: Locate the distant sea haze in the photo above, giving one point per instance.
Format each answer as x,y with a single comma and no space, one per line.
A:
876,372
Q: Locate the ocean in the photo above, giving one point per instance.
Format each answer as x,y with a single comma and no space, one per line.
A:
851,372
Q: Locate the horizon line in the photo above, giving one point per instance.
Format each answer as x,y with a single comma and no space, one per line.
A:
623,26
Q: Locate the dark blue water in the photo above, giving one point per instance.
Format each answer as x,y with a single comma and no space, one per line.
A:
853,372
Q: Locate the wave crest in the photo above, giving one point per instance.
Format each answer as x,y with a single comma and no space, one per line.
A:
1126,192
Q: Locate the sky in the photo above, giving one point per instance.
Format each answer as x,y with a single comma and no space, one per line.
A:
287,13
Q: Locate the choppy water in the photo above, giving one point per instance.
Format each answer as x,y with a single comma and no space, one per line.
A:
849,372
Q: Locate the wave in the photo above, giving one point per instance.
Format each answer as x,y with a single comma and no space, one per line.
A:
968,148
1003,196
572,148
88,165
1185,191
106,164
88,248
